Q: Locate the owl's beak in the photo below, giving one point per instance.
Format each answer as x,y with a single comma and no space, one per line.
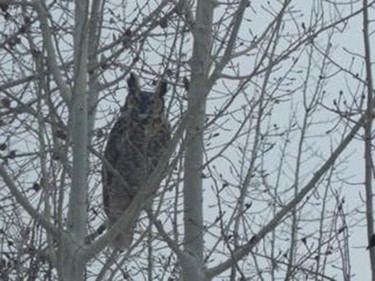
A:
143,116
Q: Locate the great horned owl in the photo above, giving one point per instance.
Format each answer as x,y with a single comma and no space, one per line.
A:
134,147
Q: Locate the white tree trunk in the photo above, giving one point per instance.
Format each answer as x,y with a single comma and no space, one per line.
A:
73,264
193,191
368,137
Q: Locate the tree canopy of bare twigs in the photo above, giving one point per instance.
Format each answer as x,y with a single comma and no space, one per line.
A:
269,170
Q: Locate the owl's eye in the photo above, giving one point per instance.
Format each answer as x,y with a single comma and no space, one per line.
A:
144,103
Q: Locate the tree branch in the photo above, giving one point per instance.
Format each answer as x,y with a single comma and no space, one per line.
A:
247,248
50,228
51,54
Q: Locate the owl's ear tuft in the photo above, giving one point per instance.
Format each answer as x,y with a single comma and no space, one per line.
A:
133,83
162,88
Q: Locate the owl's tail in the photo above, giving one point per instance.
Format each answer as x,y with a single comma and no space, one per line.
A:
124,240
117,203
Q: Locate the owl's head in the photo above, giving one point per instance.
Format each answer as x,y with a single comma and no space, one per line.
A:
144,106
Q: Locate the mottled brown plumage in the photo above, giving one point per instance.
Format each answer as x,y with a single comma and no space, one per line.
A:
134,147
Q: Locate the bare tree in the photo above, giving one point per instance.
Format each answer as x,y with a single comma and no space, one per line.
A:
270,105
369,168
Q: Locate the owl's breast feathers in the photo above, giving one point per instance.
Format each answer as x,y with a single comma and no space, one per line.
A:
134,150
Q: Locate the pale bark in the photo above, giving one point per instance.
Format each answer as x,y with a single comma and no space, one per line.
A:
193,188
51,52
74,265
95,23
369,167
